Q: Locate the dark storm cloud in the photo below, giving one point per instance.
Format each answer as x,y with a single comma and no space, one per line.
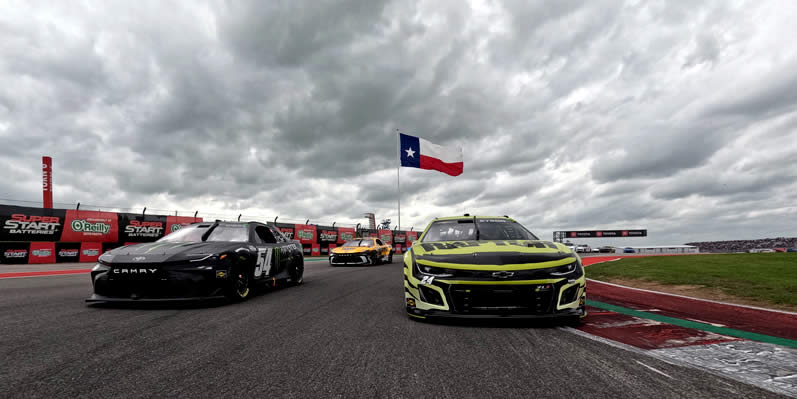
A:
577,114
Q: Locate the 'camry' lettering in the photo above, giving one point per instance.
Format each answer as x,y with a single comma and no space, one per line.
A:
136,271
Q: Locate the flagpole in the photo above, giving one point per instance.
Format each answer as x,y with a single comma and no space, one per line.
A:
398,175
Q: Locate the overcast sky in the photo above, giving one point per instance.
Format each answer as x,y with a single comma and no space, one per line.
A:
679,117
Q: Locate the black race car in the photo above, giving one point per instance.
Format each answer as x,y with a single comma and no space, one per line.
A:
202,260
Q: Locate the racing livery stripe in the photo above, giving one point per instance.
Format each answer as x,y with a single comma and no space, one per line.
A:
410,283
496,258
496,282
496,267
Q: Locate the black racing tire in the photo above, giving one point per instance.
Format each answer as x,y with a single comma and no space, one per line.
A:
297,273
390,258
373,259
239,285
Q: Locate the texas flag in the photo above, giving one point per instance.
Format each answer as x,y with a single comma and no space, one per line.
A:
419,153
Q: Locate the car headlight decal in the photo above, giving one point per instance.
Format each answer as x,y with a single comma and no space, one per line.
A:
424,270
569,270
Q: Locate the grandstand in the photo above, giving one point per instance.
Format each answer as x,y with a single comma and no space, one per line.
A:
732,246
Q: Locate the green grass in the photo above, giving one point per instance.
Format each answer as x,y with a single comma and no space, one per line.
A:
770,278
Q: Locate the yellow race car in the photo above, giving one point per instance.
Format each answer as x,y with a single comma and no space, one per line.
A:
486,267
361,251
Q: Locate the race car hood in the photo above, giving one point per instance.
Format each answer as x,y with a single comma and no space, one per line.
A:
493,254
350,250
160,252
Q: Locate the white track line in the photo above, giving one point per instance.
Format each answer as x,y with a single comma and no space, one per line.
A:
695,299
655,369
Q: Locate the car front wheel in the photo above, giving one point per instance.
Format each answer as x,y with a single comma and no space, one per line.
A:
238,288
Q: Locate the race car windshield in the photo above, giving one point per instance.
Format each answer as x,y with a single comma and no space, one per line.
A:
187,234
482,229
451,230
359,243
229,233
220,233
502,229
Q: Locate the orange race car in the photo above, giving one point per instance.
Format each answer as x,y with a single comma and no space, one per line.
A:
361,251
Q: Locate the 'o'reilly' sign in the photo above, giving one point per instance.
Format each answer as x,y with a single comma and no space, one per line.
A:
304,234
42,253
84,226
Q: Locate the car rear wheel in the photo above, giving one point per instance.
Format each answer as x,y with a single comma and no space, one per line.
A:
390,257
297,273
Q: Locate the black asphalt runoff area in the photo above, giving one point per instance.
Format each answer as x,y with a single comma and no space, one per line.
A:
342,334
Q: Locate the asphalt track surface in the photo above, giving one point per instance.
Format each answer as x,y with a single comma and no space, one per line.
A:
343,333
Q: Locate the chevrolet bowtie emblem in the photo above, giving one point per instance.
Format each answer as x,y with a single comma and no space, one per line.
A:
503,274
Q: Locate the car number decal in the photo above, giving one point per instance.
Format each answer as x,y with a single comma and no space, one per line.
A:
427,280
263,262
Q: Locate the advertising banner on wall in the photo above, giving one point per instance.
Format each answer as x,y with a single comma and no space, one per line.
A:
399,237
369,233
287,229
306,233
346,234
67,252
327,235
174,223
42,252
22,223
14,252
90,226
386,236
134,227
606,233
90,251
411,237
287,232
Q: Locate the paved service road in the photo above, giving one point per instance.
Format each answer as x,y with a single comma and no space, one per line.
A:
343,333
